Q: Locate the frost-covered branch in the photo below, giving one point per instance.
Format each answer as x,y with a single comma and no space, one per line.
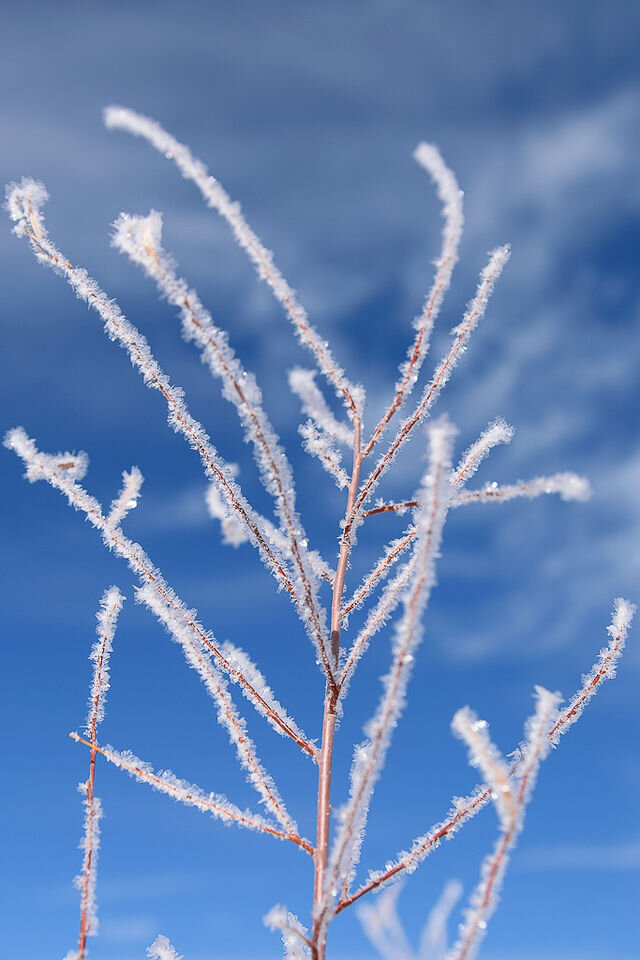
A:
379,615
570,486
464,809
228,716
603,669
461,335
450,195
302,383
141,239
319,444
120,118
24,202
107,617
193,796
56,470
296,943
381,570
499,431
510,795
127,499
370,755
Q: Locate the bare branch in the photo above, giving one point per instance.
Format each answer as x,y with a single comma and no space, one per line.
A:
428,156
570,486
107,617
141,239
119,118
42,466
370,755
24,203
461,335
465,808
510,799
191,795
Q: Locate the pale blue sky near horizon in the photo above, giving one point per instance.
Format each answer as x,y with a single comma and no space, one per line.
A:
309,114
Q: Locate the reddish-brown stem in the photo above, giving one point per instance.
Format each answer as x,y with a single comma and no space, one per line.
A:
330,710
85,919
388,507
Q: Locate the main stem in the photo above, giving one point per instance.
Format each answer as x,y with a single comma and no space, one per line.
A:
325,762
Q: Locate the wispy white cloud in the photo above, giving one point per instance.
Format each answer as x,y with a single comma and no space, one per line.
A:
624,855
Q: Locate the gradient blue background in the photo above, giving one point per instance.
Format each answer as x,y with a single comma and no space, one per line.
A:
309,112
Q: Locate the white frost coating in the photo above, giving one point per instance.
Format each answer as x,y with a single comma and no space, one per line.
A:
118,328
499,431
369,756
199,658
141,239
318,444
188,793
234,533
302,383
570,486
294,934
301,587
465,808
392,552
461,334
244,666
603,669
107,617
378,616
86,881
161,949
128,497
511,799
450,195
42,466
218,199
485,757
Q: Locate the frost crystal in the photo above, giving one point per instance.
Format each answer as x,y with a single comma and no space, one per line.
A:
161,949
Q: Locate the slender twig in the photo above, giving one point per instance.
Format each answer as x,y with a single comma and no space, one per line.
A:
466,808
450,196
107,619
120,118
192,795
43,466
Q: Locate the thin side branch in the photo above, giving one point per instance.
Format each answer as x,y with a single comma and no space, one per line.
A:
191,795
60,472
465,808
428,156
370,755
24,201
216,197
141,239
461,335
107,617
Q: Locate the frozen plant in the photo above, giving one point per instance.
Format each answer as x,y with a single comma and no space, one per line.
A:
357,456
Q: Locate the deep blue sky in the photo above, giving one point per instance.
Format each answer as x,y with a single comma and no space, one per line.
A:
308,113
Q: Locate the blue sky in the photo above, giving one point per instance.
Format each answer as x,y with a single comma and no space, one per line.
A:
309,114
